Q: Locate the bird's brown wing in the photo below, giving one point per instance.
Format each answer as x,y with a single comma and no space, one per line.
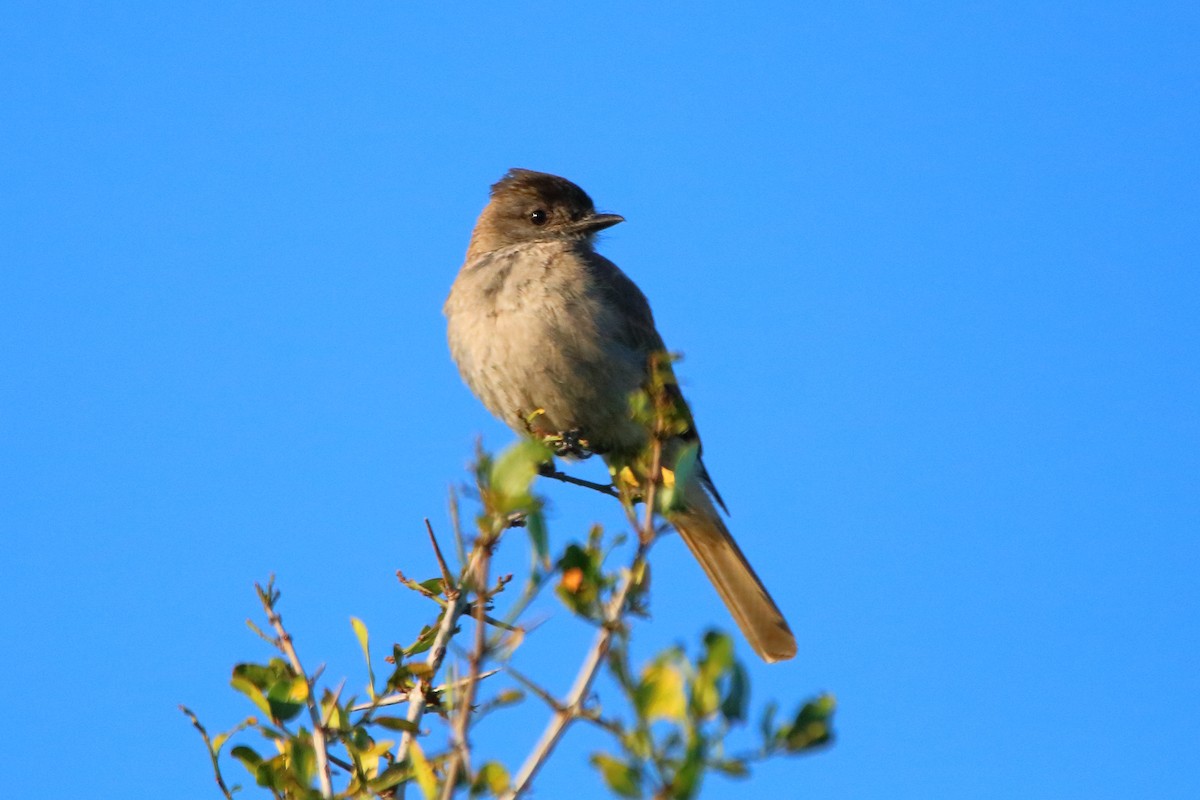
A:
639,334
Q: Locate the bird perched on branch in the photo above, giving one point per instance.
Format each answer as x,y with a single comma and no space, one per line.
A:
554,339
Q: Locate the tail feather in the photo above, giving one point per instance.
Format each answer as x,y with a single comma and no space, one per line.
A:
760,620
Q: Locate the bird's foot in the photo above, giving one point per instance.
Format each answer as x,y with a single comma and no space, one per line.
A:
570,444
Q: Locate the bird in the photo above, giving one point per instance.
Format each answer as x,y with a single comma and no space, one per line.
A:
554,338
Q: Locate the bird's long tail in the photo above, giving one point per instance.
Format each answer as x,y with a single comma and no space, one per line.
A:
705,534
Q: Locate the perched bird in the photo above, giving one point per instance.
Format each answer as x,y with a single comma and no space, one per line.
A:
541,324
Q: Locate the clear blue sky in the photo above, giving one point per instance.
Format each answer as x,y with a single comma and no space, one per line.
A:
934,271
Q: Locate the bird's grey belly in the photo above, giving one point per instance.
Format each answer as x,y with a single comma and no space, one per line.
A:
542,359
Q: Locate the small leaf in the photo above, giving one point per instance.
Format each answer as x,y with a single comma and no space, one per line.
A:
396,724
660,694
812,726
507,698
423,642
492,777
737,695
422,771
302,759
513,472
674,483
535,524
287,697
435,586
392,776
253,692
687,777
622,778
767,725
360,632
733,767
258,674
247,756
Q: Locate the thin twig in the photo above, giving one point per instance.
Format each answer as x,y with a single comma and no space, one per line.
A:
400,697
529,684
548,471
462,763
268,597
437,551
417,696
212,751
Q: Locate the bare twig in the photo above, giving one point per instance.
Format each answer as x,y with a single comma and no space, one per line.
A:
479,579
213,752
268,597
400,697
437,654
437,551
529,684
548,471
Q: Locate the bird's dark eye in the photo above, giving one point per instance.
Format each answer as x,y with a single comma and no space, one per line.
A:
538,216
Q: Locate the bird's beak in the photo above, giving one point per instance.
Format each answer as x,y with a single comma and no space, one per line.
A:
595,222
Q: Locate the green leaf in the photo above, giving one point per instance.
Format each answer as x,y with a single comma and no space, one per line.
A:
718,653
508,697
249,758
737,695
435,586
360,632
492,777
767,725
535,524
513,472
578,586
302,759
423,642
286,698
422,771
671,497
660,694
271,773
622,778
812,726
733,767
397,724
685,465
687,779
253,692
392,776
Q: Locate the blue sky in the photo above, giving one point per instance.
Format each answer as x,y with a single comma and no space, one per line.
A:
934,271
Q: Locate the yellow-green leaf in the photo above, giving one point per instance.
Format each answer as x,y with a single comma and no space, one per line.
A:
422,771
253,692
514,471
360,632
620,777
660,695
492,777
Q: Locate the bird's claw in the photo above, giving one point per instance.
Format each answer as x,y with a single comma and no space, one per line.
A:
571,443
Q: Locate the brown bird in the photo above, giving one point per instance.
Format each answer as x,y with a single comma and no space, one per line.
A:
539,320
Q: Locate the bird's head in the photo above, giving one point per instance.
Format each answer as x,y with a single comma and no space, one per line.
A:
528,206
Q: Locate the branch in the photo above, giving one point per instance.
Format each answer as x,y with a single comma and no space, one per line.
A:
572,709
437,653
399,697
548,471
213,751
478,653
268,597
